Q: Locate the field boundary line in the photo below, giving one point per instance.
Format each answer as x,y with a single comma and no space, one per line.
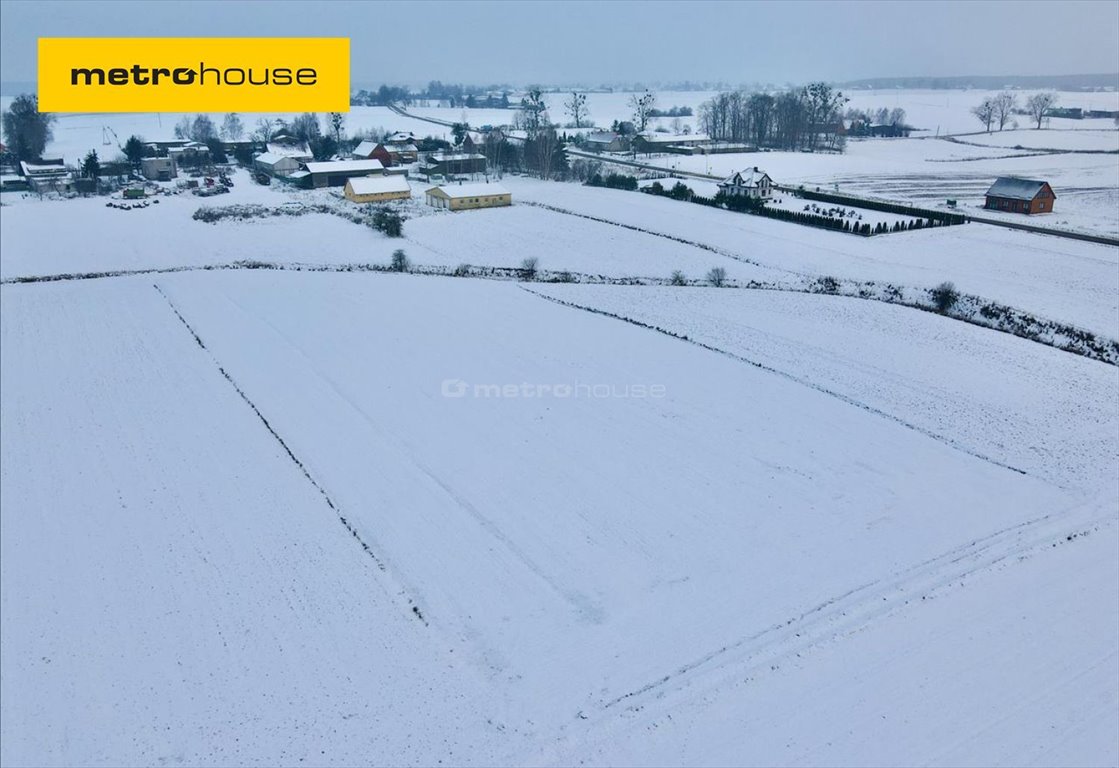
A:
287,449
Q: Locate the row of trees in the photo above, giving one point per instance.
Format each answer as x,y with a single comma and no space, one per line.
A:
1000,109
880,116
798,119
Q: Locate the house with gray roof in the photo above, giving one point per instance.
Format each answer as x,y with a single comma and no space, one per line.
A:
1015,195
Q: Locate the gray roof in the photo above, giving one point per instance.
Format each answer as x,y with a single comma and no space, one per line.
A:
1015,188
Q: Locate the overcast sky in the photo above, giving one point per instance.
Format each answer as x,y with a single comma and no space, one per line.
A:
618,42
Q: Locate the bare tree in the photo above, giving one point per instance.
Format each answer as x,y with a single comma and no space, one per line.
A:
1040,103
305,127
182,128
534,112
897,116
265,129
760,108
641,106
1004,103
337,122
985,112
576,106
231,127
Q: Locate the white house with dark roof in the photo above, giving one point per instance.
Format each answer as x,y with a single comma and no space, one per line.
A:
748,183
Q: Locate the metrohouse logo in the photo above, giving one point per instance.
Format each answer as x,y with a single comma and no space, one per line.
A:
180,74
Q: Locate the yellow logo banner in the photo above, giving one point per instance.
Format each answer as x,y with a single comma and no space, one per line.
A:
194,74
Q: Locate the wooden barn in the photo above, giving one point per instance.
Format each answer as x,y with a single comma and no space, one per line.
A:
1016,195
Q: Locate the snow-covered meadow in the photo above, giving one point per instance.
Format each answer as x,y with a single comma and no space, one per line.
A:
255,516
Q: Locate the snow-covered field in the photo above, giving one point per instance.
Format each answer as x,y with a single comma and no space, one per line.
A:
271,517
1072,281
928,172
1099,140
567,587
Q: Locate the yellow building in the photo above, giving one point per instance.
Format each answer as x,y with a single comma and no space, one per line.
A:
377,189
458,197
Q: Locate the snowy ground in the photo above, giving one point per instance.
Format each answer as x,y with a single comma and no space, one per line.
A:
1057,278
368,518
537,630
1099,140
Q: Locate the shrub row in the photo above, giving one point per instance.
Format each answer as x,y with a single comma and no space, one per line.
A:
943,217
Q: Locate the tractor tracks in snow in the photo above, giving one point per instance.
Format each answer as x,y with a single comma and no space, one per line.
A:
377,560
852,611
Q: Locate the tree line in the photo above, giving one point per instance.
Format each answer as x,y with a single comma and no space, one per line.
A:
1000,109
802,119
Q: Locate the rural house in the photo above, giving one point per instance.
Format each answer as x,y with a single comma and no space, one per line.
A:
464,196
389,154
46,176
377,189
1020,196
338,172
748,183
364,150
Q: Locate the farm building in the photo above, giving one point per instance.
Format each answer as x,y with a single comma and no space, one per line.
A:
685,143
1020,196
294,149
748,183
454,164
459,197
377,189
607,141
338,172
158,168
190,155
276,165
388,153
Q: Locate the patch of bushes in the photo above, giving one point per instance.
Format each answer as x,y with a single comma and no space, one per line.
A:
399,262
388,221
613,181
826,284
528,268
944,296
717,277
